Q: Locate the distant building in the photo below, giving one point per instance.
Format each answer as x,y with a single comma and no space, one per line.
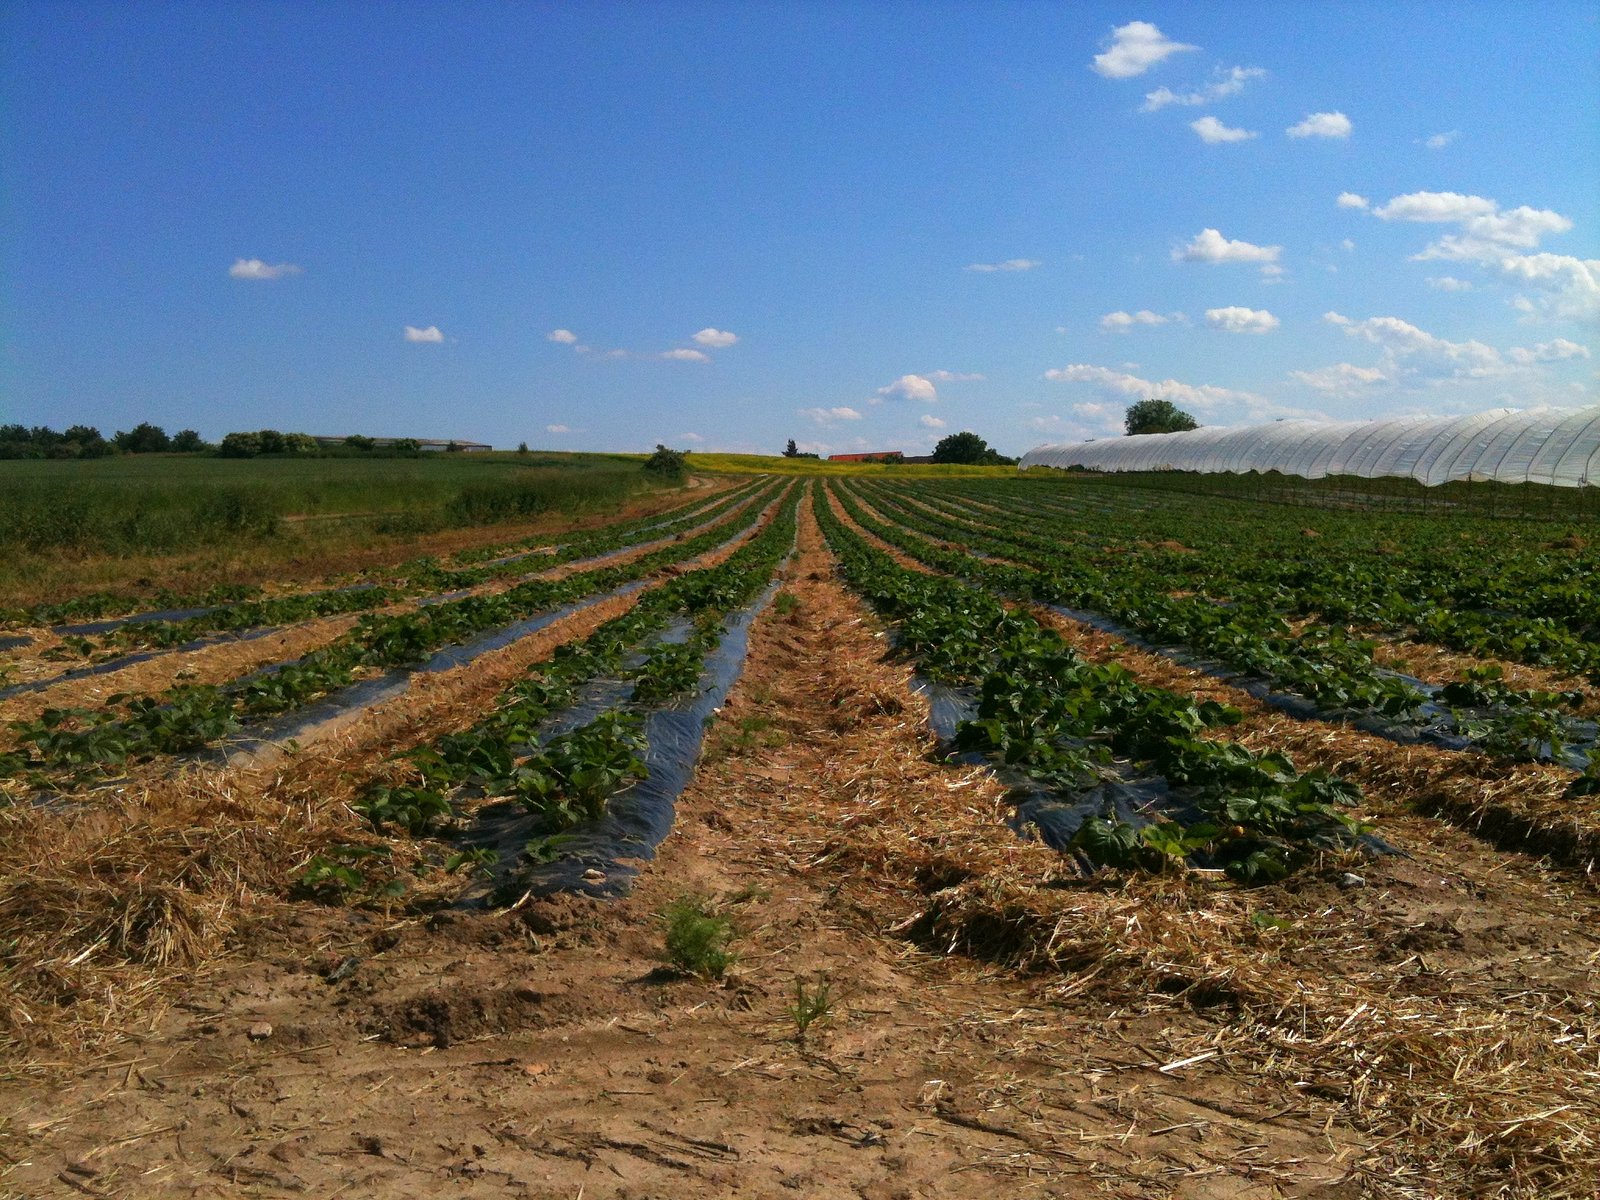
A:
422,443
875,456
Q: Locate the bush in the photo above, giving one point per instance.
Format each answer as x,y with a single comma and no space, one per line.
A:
697,939
667,464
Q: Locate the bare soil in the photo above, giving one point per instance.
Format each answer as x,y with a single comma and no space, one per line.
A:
992,1023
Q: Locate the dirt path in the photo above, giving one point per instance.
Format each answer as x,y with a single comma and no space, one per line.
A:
545,1052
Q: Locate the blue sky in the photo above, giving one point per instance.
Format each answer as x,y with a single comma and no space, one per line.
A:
862,226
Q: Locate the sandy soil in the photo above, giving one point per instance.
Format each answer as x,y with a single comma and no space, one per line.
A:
548,1052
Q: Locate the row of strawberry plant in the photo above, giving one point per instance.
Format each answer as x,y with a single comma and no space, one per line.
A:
1069,725
1328,665
562,778
72,743
413,575
1498,589
415,578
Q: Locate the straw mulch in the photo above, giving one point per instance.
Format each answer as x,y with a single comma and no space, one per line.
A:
1467,1065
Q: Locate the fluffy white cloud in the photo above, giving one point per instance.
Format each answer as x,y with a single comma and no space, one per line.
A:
685,356
1226,83
430,334
1210,246
827,416
1574,282
1435,206
1499,240
1403,340
953,376
1119,383
1352,200
716,339
1347,245
911,387
1323,125
929,421
1449,283
1135,48
689,437
1121,322
563,336
1553,351
254,268
1341,379
1440,140
1213,132
1234,319
558,429
1011,264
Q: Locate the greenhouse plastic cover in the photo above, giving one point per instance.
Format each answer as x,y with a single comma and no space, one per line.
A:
1556,446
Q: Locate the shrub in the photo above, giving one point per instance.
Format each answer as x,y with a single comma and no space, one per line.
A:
696,938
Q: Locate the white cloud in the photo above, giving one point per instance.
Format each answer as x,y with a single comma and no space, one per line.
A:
430,334
1449,283
1118,383
1352,200
1497,239
827,416
1403,340
1234,319
1440,140
1553,351
685,356
1135,48
953,376
1347,245
1341,379
558,429
1226,83
911,387
1213,132
1121,322
1323,125
716,339
1211,247
1011,264
1435,206
1574,282
564,336
929,421
254,268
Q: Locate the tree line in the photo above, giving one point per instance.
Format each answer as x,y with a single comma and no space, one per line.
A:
85,441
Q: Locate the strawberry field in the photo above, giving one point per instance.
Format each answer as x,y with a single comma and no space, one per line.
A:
1273,829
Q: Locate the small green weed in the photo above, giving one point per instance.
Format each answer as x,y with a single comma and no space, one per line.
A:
785,603
812,1003
697,938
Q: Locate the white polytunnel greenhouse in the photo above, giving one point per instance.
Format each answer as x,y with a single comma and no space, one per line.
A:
1557,446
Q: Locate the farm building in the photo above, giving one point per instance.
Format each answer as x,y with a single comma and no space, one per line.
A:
874,456
1559,447
422,443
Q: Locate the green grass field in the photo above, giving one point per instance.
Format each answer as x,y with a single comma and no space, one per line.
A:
119,521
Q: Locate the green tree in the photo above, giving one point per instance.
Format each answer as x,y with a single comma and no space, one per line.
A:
240,445
1157,416
188,441
968,448
791,450
669,464
143,438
